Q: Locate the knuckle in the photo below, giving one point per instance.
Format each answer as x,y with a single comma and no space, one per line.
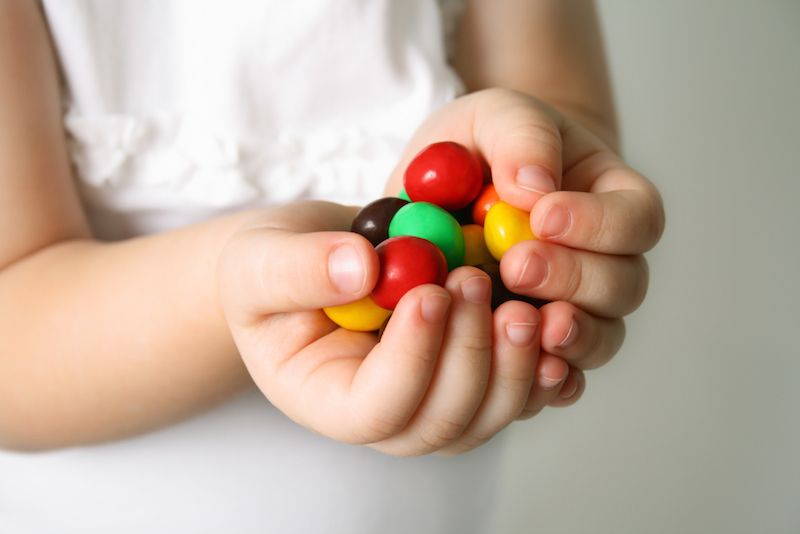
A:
513,384
436,434
576,279
377,426
603,228
474,439
475,344
460,447
544,136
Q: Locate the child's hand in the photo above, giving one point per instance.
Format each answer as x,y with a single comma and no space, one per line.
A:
436,381
593,214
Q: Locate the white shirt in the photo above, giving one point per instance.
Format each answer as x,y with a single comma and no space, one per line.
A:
183,109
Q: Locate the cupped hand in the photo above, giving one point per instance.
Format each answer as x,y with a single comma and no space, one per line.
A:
446,375
594,217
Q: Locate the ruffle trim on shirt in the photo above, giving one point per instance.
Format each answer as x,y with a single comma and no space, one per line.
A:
172,162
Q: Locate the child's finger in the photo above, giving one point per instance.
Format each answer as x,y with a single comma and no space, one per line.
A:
516,351
265,270
515,133
571,391
520,139
462,371
608,286
583,340
616,222
392,380
552,373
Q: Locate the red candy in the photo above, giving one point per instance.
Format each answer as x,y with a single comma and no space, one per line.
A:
486,199
445,174
406,262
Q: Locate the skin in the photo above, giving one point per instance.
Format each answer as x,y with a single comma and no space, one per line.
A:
185,319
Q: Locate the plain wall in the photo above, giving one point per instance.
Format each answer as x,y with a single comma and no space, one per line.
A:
694,426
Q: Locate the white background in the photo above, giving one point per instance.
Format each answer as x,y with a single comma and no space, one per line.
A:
694,427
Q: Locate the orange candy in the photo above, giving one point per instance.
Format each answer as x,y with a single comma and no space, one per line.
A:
486,199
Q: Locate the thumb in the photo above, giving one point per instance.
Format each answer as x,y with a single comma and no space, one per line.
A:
267,270
518,136
521,139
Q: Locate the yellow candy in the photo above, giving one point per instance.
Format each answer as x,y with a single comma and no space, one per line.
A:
475,252
504,227
362,315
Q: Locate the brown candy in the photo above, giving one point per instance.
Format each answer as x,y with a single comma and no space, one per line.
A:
372,221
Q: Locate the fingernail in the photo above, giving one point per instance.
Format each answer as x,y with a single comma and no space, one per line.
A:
549,382
571,334
533,273
521,334
434,308
556,222
346,269
476,289
535,178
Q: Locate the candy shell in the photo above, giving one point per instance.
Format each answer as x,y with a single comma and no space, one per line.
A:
406,262
372,221
362,315
446,174
486,199
504,227
425,220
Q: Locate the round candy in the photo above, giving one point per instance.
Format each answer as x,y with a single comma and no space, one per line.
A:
362,315
406,262
475,251
486,199
430,222
504,227
372,221
446,174
402,194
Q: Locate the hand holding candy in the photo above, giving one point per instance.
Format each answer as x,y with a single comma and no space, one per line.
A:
411,236
592,214
447,375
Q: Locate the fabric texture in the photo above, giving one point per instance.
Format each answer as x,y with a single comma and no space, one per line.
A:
198,106
177,110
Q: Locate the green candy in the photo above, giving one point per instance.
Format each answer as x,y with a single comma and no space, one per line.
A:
402,194
428,221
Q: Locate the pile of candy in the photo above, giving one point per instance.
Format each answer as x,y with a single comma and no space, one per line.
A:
444,218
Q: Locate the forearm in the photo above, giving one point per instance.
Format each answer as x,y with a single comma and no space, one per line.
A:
101,341
551,49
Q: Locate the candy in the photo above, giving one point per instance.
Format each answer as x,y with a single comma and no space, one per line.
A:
430,222
432,227
486,199
446,174
504,227
372,221
406,262
362,315
475,251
